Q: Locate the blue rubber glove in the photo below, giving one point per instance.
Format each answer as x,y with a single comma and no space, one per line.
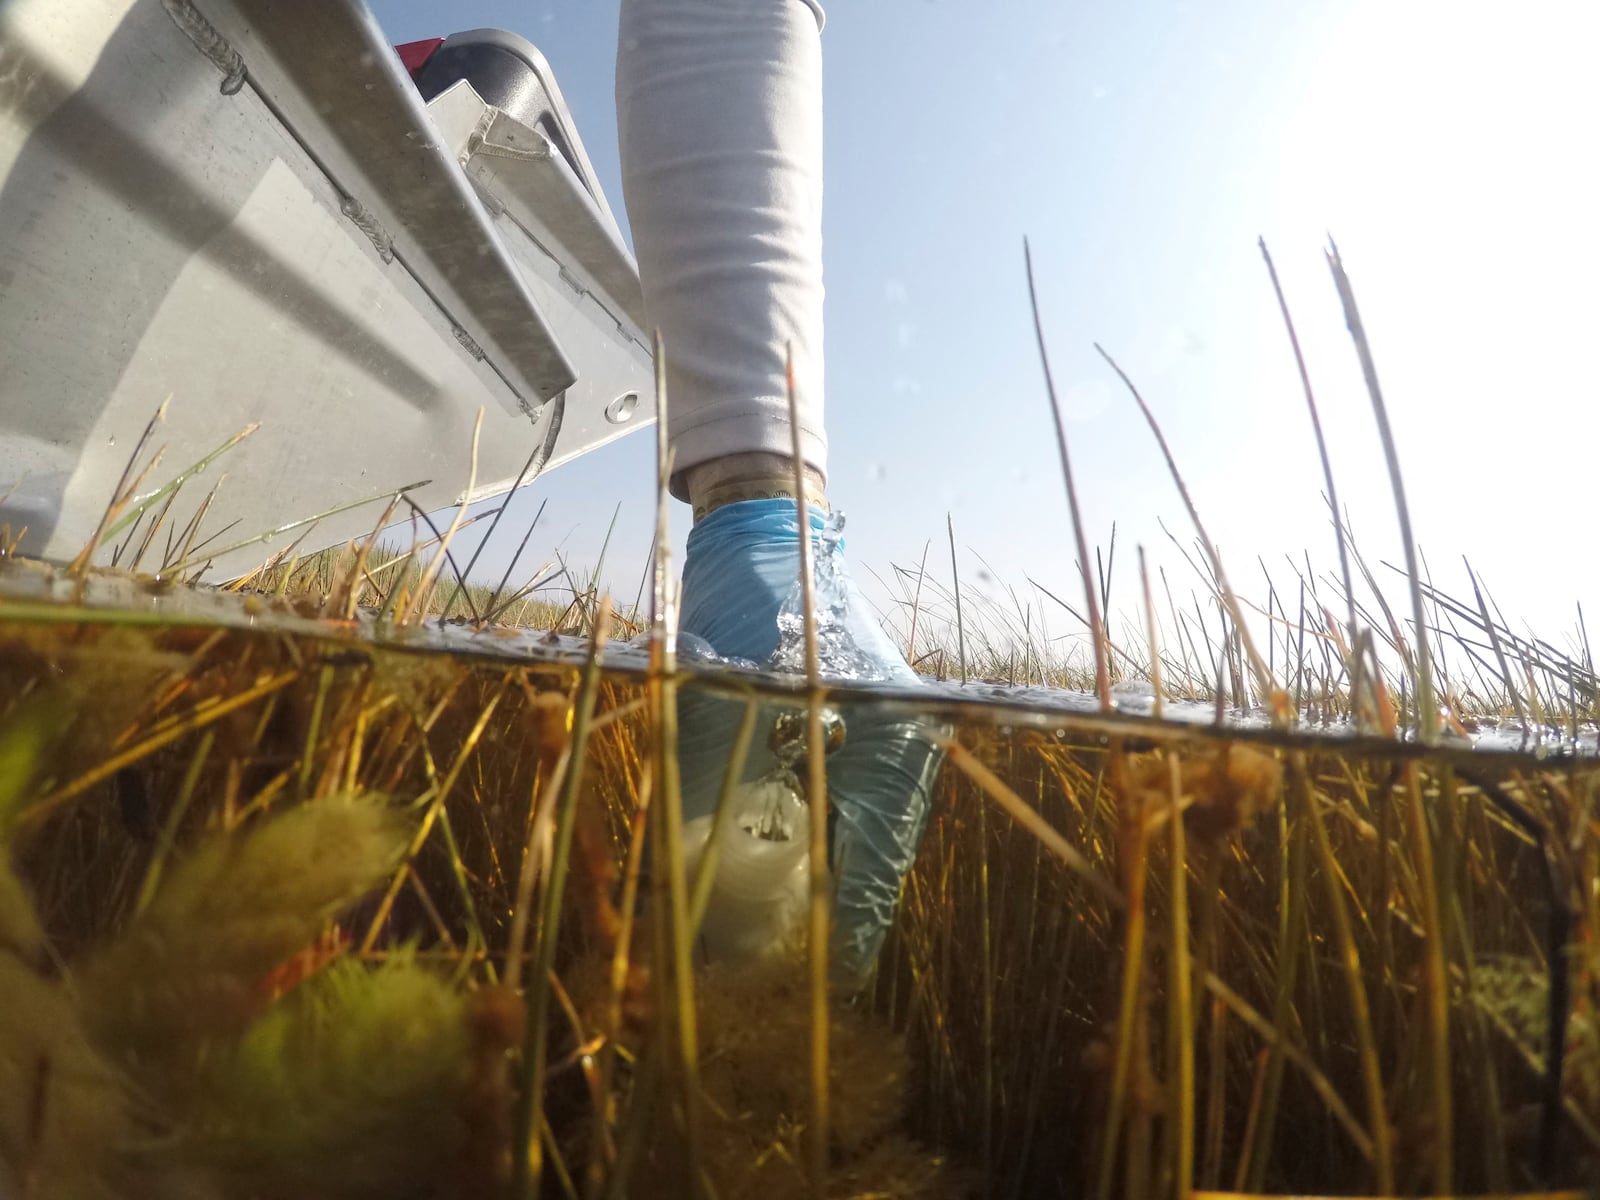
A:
741,595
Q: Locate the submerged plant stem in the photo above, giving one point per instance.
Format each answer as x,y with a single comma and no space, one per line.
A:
706,874
1129,1049
1180,1007
1438,994
528,1151
817,824
1382,1139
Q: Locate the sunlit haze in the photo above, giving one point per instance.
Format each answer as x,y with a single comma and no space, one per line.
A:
1143,148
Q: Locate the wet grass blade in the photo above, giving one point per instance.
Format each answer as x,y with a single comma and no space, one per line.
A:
955,587
678,999
1316,428
1213,558
1102,676
120,495
170,488
304,521
1428,710
430,573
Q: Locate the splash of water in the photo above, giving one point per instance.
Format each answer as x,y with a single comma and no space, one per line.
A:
838,608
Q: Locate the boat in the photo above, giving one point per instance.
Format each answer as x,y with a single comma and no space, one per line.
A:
396,266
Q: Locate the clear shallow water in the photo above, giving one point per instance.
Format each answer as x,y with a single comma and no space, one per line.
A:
34,591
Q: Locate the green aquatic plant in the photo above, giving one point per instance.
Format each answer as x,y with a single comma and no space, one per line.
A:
194,964
166,1062
351,1085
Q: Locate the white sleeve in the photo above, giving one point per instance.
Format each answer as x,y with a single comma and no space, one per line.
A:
719,119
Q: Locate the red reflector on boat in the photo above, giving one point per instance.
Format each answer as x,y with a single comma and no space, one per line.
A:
415,55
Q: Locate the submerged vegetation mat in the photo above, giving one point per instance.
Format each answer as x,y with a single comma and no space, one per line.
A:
277,898
267,889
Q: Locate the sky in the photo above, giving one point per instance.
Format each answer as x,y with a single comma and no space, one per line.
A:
1143,148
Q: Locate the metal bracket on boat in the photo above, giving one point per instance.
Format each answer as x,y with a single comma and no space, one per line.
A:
534,186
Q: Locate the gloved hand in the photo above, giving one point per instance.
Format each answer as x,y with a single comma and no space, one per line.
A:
741,595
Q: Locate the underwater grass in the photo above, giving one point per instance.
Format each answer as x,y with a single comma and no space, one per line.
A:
1031,1016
